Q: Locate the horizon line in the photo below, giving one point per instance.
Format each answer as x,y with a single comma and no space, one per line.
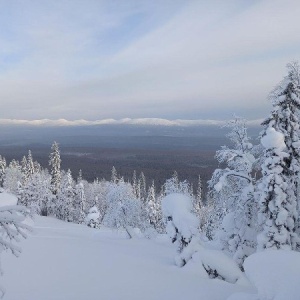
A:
124,121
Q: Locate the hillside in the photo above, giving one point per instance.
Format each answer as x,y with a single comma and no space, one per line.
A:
65,261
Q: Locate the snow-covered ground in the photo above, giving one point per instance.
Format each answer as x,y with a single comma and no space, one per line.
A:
65,261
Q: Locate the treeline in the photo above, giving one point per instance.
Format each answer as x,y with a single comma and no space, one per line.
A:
115,203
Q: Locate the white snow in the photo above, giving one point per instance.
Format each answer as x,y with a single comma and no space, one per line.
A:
205,259
7,199
65,261
273,139
275,273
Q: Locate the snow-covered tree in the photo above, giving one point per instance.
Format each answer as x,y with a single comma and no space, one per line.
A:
232,189
173,185
114,175
152,206
284,118
45,194
54,163
123,209
79,178
182,224
275,217
142,188
30,164
79,204
37,167
197,201
2,170
64,204
92,218
12,229
24,170
13,177
28,194
135,185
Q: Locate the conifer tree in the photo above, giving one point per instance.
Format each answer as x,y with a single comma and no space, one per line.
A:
114,175
284,118
2,170
13,176
143,187
275,217
152,211
79,178
30,164
24,170
135,184
65,201
54,163
79,204
197,203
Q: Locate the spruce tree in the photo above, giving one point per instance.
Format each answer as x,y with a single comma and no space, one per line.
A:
30,164
152,211
143,187
284,118
2,170
114,175
54,163
197,203
274,216
79,204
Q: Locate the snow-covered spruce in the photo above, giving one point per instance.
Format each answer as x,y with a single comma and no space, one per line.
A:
284,118
275,216
54,163
123,209
79,204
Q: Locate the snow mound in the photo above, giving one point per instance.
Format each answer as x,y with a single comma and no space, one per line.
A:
92,217
275,273
7,199
273,139
213,264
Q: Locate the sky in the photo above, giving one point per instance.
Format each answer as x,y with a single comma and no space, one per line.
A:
186,59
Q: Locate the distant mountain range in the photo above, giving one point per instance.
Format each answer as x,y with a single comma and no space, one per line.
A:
125,121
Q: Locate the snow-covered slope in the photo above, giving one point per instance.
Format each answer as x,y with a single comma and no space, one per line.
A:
64,261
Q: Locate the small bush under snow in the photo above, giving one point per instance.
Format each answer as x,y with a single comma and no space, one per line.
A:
182,224
92,219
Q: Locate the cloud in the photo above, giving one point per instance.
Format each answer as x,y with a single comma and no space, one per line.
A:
176,59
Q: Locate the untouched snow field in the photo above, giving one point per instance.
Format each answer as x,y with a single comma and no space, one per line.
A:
65,261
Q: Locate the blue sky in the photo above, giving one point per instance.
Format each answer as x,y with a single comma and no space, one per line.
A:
95,59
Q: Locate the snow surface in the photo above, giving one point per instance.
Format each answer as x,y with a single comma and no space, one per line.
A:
65,261
275,273
7,199
203,259
273,139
